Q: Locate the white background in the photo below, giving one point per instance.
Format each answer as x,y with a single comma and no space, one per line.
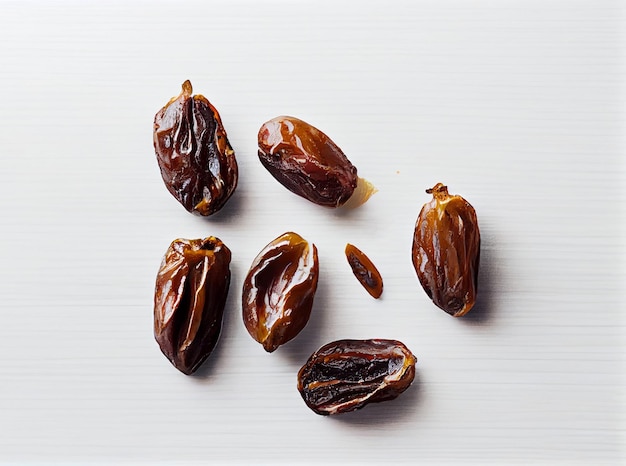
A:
516,105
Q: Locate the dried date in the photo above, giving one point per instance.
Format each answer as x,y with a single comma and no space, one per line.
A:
278,290
365,271
196,160
190,295
308,163
446,251
348,374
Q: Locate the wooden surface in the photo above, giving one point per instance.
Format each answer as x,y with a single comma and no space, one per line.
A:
516,105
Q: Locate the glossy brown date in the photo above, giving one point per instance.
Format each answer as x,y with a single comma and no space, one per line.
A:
446,251
348,374
189,298
197,163
365,271
279,289
308,163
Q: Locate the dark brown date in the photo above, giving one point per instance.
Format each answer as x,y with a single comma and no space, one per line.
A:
365,271
279,289
446,251
197,163
189,298
348,374
307,162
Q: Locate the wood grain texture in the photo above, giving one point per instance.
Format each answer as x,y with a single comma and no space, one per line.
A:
516,105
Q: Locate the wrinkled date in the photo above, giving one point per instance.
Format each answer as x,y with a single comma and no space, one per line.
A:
365,271
197,163
307,162
446,251
279,289
348,374
189,298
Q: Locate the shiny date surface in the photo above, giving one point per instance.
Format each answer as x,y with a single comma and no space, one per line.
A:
306,161
278,290
446,251
190,295
346,375
196,160
365,271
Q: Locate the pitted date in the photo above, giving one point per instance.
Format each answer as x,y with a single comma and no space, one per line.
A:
189,299
279,289
446,251
308,163
197,163
348,374
365,271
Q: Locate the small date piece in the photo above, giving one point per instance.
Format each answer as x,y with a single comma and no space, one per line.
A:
446,251
308,163
279,289
365,271
348,374
189,299
197,163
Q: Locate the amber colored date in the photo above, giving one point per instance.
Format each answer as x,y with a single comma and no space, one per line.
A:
278,290
308,163
197,163
365,271
189,299
348,374
446,251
